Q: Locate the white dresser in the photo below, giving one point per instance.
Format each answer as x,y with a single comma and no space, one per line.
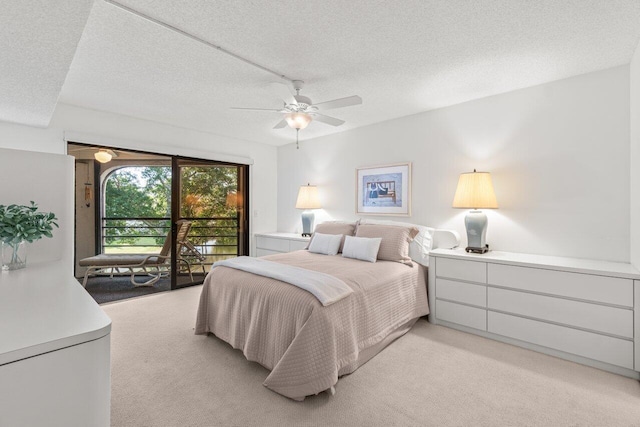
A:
54,350
276,243
581,310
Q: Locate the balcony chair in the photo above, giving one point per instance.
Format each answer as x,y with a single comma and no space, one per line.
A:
154,265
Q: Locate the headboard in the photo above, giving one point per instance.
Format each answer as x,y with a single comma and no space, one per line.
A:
441,238
445,239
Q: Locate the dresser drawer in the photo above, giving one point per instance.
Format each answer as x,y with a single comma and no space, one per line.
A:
600,318
462,314
297,245
462,270
264,252
606,349
608,290
467,293
278,245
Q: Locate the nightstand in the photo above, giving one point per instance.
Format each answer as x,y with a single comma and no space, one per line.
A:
577,309
276,243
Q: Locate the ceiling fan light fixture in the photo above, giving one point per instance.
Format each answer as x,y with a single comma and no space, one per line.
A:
103,156
298,120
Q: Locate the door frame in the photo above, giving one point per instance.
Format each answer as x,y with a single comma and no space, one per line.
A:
243,242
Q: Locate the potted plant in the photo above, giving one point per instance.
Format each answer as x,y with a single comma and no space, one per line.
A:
20,224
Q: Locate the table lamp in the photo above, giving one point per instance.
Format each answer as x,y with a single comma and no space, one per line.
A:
307,199
475,191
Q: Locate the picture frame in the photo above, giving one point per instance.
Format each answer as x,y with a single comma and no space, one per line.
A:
384,190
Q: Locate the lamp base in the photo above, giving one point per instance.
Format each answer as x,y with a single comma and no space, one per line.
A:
476,224
477,250
307,223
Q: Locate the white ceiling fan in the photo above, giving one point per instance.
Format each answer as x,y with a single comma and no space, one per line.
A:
299,110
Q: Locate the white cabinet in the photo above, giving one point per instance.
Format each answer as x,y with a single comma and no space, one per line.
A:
466,293
579,314
66,387
581,310
636,324
460,314
603,289
574,341
276,243
463,270
54,350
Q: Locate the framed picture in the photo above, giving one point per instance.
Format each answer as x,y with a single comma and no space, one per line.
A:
384,190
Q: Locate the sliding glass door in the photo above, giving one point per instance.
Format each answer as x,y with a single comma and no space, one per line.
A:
141,203
211,212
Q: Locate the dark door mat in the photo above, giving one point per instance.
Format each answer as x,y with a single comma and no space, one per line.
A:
106,289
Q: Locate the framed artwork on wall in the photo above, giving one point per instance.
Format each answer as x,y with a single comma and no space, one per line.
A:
384,190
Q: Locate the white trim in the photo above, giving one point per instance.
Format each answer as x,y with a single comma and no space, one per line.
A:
127,144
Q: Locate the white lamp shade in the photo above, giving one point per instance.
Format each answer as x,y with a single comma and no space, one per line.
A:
102,156
298,120
308,197
475,191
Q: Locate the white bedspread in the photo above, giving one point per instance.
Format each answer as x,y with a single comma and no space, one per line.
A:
325,287
288,331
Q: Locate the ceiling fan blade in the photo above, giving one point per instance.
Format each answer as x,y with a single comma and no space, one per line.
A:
284,92
95,149
258,109
282,123
339,103
327,119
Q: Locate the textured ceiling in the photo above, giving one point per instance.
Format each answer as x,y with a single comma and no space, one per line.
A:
38,39
402,57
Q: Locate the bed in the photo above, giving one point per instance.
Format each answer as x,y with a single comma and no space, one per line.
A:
304,344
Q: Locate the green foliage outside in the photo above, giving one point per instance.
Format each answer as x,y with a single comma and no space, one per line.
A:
145,192
204,195
128,196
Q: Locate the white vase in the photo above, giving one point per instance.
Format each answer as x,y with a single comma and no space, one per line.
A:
14,255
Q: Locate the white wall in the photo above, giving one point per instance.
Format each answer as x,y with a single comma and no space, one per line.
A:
18,137
634,157
558,154
96,127
47,179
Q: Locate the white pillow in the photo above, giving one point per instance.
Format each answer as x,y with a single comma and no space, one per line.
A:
362,248
326,244
420,246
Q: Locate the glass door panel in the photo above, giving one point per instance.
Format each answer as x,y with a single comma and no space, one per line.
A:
211,206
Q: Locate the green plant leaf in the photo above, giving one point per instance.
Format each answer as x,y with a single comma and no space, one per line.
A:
18,222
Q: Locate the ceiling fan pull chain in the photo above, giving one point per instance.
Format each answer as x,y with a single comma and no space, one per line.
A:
297,143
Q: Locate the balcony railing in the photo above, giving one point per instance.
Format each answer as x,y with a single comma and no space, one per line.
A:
216,238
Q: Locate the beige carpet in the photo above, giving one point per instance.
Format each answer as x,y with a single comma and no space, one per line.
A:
163,375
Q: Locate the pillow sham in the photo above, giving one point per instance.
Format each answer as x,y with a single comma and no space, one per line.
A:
326,244
420,246
395,240
335,227
361,248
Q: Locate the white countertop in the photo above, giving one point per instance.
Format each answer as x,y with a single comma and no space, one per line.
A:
42,309
579,265
288,236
